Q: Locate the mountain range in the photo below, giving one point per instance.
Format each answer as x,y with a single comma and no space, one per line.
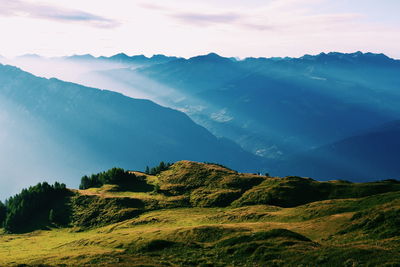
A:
371,154
287,111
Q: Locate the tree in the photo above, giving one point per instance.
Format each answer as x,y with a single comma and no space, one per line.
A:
85,182
3,212
147,171
162,166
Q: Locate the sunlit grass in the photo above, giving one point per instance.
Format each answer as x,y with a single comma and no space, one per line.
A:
111,225
64,246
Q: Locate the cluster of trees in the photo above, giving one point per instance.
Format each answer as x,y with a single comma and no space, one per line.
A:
157,169
117,176
32,205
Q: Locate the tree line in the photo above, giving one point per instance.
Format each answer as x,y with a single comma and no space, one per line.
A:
157,169
113,176
20,211
44,204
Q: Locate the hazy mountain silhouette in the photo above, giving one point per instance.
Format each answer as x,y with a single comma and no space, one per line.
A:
371,155
272,107
136,60
281,105
54,129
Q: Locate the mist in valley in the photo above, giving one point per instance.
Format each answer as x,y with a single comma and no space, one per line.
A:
30,153
93,72
282,110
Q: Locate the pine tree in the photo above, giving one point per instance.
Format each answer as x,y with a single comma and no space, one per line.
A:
3,212
85,183
161,167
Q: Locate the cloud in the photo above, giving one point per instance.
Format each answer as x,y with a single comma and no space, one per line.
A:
20,8
201,18
280,16
256,19
152,6
258,27
231,18
194,18
206,18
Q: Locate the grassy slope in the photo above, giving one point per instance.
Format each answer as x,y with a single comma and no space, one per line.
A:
330,232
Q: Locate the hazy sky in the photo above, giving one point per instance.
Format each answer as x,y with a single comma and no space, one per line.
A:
186,27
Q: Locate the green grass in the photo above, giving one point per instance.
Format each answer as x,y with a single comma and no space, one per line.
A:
181,236
225,236
222,219
295,191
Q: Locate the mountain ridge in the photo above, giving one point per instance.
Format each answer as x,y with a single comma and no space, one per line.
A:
356,54
95,128
368,154
274,107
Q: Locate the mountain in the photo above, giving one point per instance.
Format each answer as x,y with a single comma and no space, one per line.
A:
58,130
274,107
122,58
370,155
192,214
85,57
206,72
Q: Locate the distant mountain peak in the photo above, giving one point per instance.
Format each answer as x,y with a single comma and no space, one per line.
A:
348,57
120,55
84,57
357,54
29,56
139,57
159,56
125,58
211,57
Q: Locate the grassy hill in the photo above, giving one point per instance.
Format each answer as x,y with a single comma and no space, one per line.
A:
196,214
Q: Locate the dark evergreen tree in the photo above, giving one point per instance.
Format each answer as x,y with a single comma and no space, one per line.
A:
85,182
3,211
161,167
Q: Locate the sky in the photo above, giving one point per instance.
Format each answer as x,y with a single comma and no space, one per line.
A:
234,28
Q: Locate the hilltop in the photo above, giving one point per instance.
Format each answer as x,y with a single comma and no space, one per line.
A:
205,214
